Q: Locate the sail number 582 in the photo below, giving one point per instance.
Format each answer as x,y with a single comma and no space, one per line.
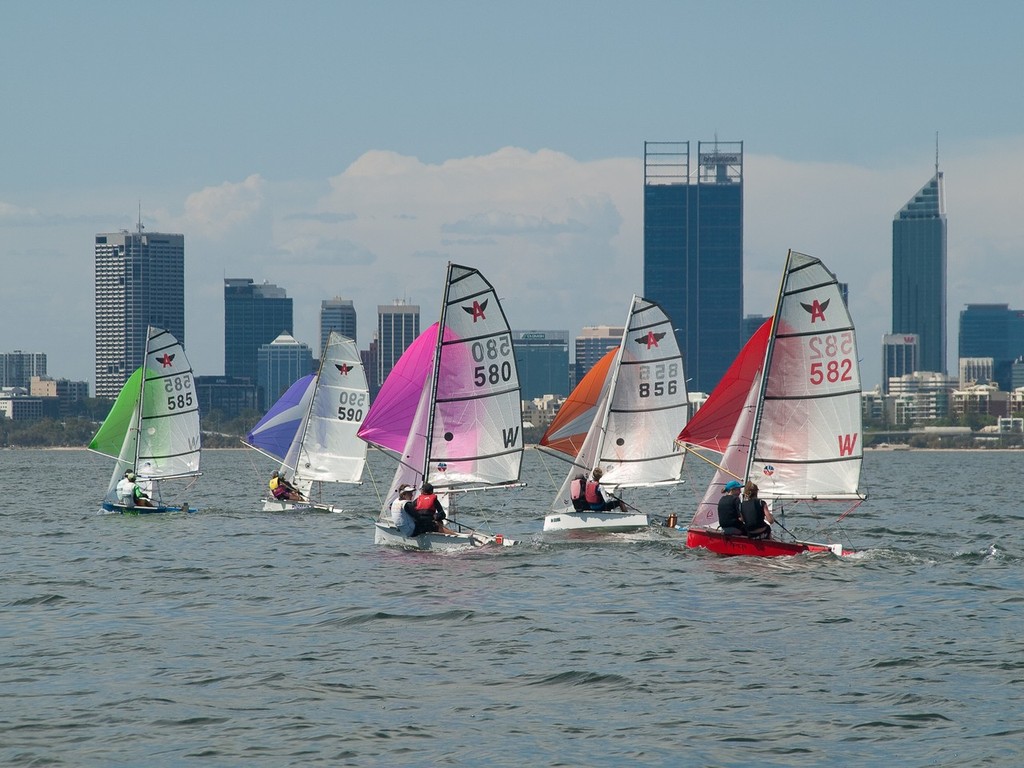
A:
831,356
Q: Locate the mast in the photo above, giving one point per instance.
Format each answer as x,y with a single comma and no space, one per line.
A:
612,381
766,366
435,374
141,400
309,408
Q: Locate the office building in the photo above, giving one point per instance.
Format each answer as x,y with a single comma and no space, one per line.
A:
996,331
280,364
693,250
592,344
899,356
919,273
398,325
139,282
339,315
254,315
17,368
542,359
226,395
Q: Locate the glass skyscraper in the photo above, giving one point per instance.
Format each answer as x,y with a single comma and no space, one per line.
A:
254,315
996,331
542,358
919,273
339,315
280,364
139,281
398,325
693,250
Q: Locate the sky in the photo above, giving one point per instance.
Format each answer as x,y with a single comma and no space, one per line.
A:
352,149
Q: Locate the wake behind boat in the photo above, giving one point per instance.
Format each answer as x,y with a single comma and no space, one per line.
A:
450,411
786,416
622,418
312,427
152,430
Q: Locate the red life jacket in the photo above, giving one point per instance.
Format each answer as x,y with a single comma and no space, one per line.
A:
425,502
592,496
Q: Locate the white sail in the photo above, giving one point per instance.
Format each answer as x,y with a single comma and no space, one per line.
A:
807,442
642,408
327,448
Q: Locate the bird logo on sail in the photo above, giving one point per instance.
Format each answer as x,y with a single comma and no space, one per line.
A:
651,339
477,310
816,309
768,470
343,369
166,361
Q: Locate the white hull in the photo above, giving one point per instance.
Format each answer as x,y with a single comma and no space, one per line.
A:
389,536
607,522
279,505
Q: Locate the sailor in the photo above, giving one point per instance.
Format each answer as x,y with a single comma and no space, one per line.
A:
595,497
400,508
138,497
428,512
755,513
729,519
124,490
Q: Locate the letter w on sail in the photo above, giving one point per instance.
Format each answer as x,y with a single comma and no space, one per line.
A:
846,444
510,436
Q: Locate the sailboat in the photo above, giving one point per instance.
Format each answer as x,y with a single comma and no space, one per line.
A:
787,415
623,417
312,427
153,427
450,411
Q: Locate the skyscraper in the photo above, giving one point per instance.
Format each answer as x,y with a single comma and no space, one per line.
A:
339,315
254,315
592,344
398,325
17,368
996,331
899,356
542,359
140,281
919,273
281,363
693,250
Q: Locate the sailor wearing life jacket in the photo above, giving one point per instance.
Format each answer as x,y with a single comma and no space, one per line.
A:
593,495
428,512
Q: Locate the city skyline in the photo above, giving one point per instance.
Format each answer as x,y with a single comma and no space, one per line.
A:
457,146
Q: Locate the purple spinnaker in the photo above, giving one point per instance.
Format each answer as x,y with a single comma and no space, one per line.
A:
275,432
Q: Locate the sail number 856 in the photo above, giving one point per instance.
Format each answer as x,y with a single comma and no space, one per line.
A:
493,354
665,377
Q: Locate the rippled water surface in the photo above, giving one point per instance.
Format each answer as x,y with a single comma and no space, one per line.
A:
237,637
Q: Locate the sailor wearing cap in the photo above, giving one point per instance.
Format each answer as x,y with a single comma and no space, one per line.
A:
729,519
400,508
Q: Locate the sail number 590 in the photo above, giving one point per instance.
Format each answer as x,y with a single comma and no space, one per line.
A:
492,372
831,358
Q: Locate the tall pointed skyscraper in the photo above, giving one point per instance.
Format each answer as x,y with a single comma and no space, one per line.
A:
139,281
693,250
919,273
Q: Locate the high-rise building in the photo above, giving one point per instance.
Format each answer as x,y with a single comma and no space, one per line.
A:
592,344
398,325
281,363
693,250
899,356
139,282
542,359
17,368
919,273
254,315
339,315
996,331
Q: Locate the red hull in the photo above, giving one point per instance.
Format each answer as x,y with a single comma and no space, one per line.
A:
724,544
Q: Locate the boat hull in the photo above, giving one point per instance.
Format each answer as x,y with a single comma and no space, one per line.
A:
282,505
389,536
726,544
607,522
120,509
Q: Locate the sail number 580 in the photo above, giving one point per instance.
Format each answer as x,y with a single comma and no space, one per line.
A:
492,372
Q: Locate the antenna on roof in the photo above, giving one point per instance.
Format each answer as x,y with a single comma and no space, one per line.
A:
936,153
140,216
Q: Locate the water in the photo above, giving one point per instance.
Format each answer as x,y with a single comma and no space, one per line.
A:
234,637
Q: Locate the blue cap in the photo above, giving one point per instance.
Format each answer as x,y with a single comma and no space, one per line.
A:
732,485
